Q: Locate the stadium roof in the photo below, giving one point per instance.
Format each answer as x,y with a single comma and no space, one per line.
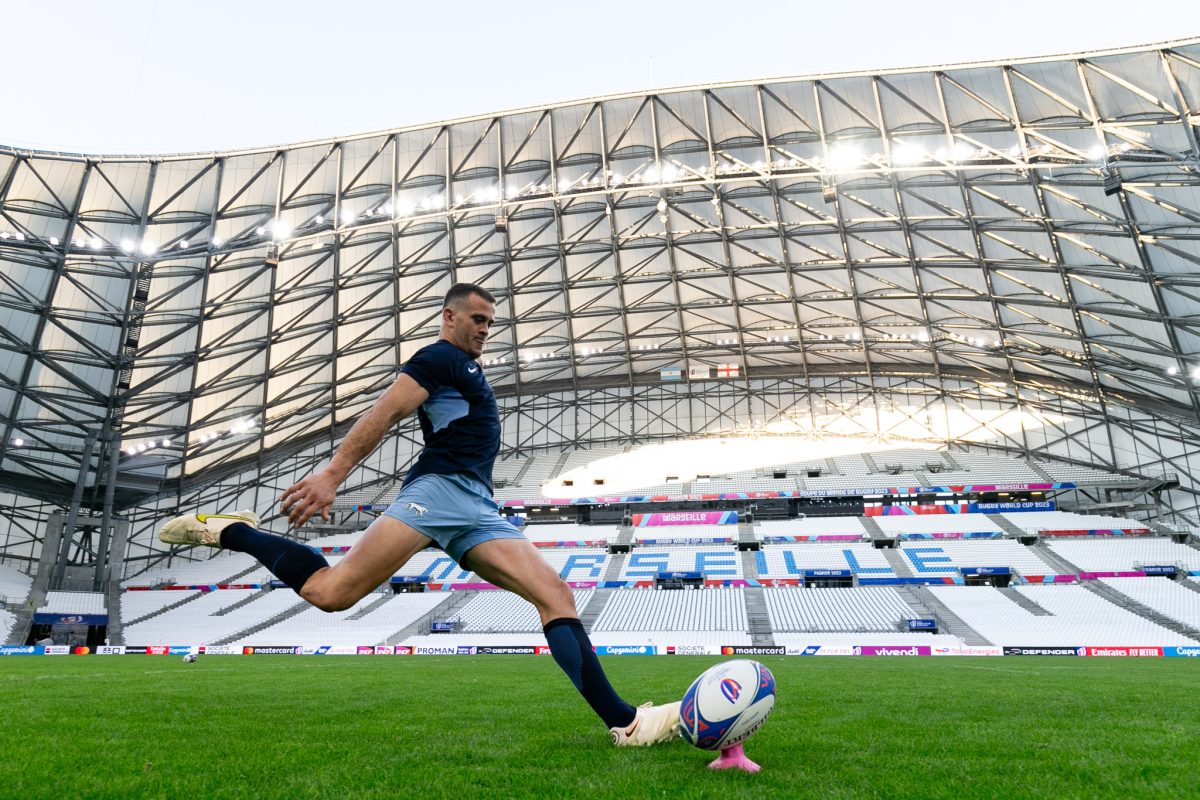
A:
1030,225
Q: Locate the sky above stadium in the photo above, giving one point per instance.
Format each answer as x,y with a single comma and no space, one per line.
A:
147,76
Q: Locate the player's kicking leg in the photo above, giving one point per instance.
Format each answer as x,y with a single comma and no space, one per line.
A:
384,548
515,565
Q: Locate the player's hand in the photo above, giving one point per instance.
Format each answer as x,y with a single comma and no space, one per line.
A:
304,500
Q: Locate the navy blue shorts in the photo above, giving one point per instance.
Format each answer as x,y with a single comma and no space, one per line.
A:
455,511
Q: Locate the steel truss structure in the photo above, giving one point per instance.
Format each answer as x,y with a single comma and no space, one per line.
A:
865,250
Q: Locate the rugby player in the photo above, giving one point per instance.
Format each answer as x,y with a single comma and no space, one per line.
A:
446,499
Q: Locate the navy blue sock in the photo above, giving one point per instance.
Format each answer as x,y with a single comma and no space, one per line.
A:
572,650
291,562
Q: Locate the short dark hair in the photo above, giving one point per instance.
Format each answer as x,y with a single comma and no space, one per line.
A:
461,291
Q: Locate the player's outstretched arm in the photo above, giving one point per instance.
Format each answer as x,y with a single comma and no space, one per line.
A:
314,494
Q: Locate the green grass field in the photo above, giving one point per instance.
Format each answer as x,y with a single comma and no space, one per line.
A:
512,726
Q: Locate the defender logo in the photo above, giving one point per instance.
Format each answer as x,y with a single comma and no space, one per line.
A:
419,510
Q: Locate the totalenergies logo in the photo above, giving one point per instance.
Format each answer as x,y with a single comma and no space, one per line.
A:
731,689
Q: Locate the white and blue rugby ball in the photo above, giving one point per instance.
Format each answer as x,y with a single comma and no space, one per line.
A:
727,704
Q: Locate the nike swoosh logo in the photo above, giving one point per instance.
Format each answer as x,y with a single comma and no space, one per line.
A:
207,517
472,370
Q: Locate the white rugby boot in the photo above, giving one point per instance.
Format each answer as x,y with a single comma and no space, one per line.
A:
652,725
205,529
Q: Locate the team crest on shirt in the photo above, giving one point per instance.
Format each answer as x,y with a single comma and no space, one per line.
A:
419,510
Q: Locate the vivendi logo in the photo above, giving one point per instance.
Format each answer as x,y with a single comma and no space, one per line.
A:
871,650
731,689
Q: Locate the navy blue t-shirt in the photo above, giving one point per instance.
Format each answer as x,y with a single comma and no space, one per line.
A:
459,422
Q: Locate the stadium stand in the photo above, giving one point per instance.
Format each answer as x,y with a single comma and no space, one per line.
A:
14,585
1123,555
570,533
853,464
137,605
720,610
1073,473
222,566
860,481
866,608
1066,615
577,564
744,484
211,617
938,523
502,612
7,621
909,460
948,556
1171,599
1038,521
789,561
810,526
73,603
714,560
313,627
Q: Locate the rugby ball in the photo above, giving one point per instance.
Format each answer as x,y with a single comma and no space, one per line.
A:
726,704
189,658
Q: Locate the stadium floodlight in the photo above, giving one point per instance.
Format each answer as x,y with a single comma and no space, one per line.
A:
844,157
670,173
280,229
148,247
904,154
54,241
183,243
1096,153
1172,370
1196,373
18,442
661,205
347,215
320,220
127,245
4,234
96,243
260,230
